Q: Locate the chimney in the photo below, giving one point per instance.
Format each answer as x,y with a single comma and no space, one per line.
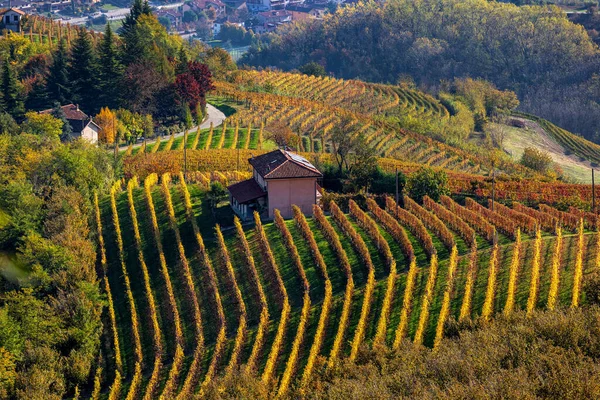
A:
77,106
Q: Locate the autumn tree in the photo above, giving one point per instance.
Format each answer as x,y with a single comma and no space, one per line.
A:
42,124
193,85
107,121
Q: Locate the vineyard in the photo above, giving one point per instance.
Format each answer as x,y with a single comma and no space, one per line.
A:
314,108
189,301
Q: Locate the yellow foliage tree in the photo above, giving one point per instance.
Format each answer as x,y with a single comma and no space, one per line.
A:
107,121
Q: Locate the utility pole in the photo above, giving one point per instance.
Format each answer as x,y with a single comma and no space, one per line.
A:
493,187
397,191
593,193
185,154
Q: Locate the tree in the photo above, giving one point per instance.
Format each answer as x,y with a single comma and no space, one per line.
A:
111,70
84,71
192,86
313,68
58,113
363,168
536,159
282,135
219,62
12,96
107,121
42,124
216,194
188,119
341,143
427,181
59,84
137,9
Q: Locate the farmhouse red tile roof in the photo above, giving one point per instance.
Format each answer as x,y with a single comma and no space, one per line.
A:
247,190
71,111
281,164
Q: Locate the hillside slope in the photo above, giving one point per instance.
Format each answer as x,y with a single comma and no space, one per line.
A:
575,167
189,302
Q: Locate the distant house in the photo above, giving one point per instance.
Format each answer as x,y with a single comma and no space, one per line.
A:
11,19
202,5
82,125
219,22
279,180
173,16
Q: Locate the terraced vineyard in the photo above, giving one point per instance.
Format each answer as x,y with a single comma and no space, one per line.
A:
313,107
190,301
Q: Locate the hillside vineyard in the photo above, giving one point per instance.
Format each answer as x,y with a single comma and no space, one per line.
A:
288,299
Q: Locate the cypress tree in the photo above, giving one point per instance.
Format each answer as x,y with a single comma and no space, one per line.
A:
182,65
110,70
59,85
11,95
83,73
58,113
137,9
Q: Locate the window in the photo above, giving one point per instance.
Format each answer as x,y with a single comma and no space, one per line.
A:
7,18
16,18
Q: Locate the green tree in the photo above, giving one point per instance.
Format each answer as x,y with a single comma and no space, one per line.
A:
83,72
427,181
111,70
59,84
188,119
42,124
59,114
313,68
12,96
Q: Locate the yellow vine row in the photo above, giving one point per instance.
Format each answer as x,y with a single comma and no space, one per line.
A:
363,252
555,273
578,274
372,231
264,312
288,241
465,308
206,263
132,309
285,313
445,310
232,283
513,274
427,298
490,291
190,290
333,239
535,272
156,332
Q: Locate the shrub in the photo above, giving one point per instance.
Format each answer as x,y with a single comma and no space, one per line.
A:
427,182
536,159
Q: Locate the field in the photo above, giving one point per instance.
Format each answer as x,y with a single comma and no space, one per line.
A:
188,301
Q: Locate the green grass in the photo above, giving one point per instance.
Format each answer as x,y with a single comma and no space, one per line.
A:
206,220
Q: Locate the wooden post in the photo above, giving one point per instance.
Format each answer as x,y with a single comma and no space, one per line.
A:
593,193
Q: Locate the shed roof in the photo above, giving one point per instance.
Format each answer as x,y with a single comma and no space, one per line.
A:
246,191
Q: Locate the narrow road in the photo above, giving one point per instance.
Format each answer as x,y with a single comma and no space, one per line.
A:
213,114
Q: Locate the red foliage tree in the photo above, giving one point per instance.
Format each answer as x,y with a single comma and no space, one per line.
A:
192,85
